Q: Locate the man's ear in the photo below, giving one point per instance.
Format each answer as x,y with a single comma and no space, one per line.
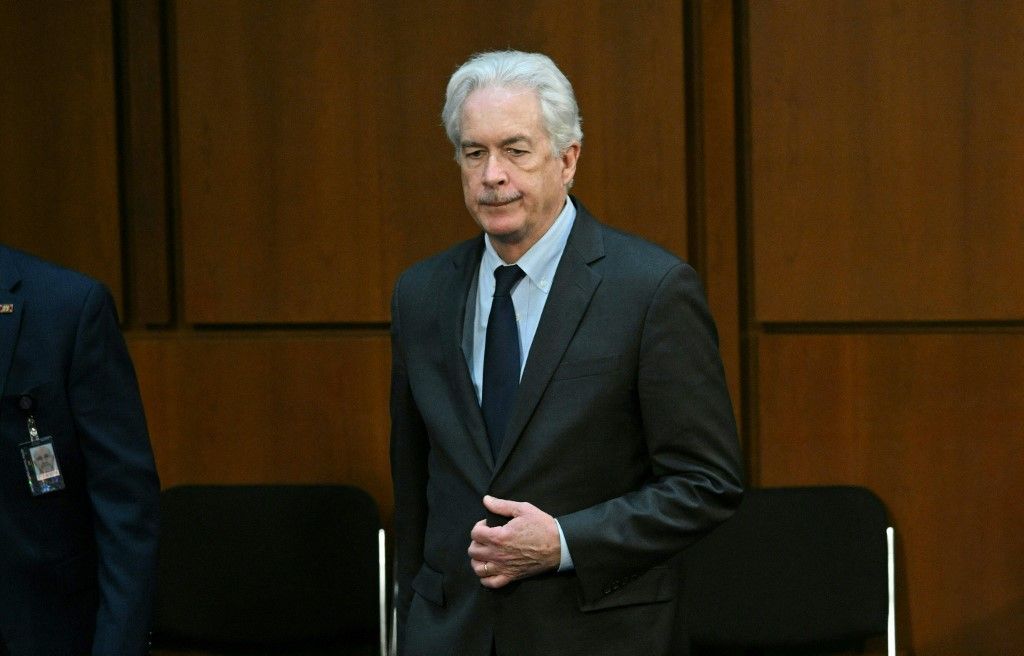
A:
569,158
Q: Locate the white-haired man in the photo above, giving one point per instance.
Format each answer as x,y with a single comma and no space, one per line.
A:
561,427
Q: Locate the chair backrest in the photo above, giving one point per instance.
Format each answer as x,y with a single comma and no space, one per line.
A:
288,566
794,568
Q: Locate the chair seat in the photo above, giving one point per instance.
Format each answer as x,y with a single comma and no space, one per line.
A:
794,571
268,569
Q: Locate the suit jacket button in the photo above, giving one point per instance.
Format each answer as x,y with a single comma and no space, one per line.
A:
26,402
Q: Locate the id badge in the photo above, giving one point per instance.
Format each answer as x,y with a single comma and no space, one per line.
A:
41,464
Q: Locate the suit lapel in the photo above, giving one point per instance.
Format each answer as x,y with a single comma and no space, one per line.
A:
10,318
574,285
452,317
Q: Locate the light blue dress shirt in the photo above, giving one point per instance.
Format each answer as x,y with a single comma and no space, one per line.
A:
539,264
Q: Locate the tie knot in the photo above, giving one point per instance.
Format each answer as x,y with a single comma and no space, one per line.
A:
505,278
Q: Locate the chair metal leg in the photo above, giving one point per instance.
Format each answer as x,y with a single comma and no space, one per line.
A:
394,626
382,606
891,630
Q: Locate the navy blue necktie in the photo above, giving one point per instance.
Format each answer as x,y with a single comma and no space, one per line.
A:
501,356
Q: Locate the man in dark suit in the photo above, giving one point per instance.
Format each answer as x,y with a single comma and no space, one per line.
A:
77,542
546,514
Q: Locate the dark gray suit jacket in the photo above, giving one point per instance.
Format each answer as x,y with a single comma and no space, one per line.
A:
622,429
77,566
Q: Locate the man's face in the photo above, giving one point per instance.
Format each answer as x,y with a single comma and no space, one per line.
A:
44,460
513,185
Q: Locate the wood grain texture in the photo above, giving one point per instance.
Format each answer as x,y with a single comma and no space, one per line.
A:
312,162
716,168
887,160
279,161
58,142
933,424
143,170
270,408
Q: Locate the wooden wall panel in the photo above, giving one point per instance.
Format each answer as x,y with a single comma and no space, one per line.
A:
280,160
715,195
625,61
58,144
144,182
239,408
933,424
313,167
887,160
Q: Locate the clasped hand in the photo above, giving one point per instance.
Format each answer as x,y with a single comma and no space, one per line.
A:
526,546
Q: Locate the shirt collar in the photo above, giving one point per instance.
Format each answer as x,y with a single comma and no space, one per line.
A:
541,260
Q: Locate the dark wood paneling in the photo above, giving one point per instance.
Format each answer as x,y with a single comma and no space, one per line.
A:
933,424
715,196
885,155
887,160
140,27
268,409
625,61
313,167
58,146
280,160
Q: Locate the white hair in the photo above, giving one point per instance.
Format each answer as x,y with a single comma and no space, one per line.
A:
514,69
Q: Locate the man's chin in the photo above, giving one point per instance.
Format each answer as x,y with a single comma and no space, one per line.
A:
509,237
499,225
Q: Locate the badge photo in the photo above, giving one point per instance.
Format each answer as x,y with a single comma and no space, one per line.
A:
41,466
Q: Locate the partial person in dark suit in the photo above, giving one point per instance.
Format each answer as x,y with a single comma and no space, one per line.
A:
554,524
78,541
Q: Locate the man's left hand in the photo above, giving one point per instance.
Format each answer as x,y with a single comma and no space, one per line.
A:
527,545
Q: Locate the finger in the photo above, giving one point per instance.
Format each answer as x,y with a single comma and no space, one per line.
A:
484,534
495,582
489,571
503,507
480,552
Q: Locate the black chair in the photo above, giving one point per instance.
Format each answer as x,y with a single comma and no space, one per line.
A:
269,569
803,570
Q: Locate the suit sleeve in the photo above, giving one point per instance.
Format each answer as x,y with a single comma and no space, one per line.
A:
696,475
121,476
409,452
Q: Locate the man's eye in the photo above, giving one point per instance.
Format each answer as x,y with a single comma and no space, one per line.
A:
473,154
516,152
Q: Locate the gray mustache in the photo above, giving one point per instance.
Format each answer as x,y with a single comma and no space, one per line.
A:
495,198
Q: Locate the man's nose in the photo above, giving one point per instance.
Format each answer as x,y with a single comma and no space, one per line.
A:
494,172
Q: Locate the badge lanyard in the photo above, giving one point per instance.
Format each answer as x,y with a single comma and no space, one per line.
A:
41,466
